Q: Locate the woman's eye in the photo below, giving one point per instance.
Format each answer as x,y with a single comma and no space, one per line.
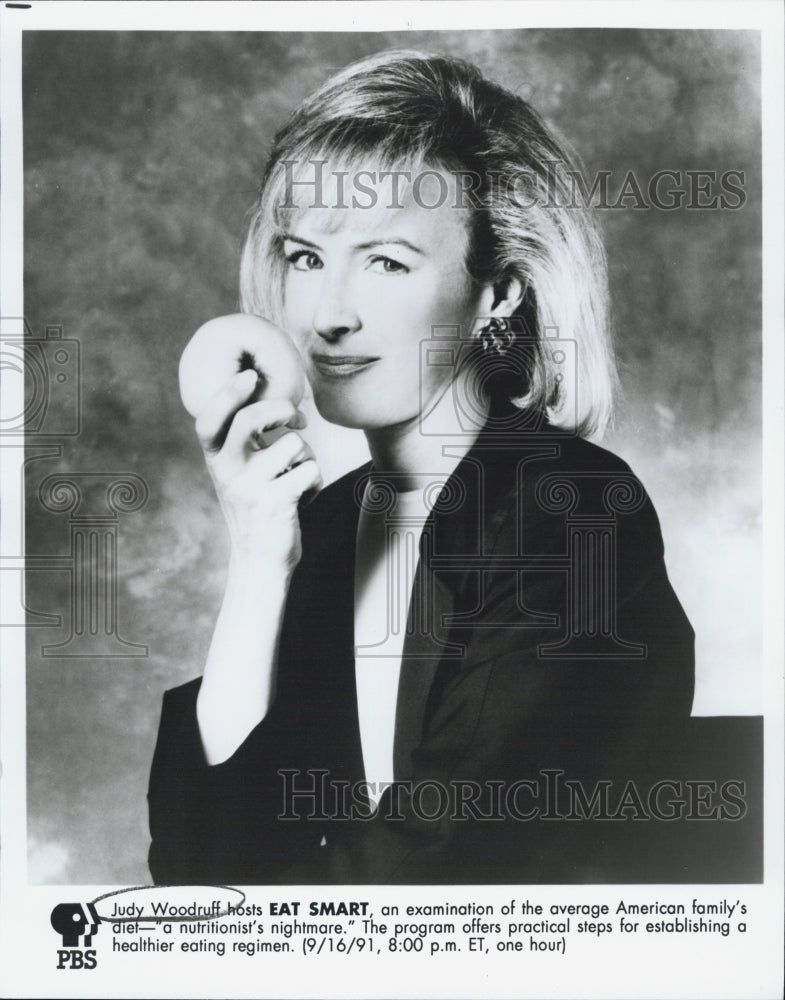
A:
386,265
304,260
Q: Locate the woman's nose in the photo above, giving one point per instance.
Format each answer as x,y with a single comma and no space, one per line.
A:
335,316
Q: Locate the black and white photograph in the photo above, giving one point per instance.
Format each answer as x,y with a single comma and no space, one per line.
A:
392,484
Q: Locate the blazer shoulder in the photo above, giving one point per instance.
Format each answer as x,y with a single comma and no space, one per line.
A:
580,455
575,481
599,480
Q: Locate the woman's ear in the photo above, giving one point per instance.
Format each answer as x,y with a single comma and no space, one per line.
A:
507,297
501,299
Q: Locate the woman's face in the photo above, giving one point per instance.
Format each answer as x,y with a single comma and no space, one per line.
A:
364,288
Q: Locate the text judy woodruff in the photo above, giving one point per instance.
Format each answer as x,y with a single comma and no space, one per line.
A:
313,795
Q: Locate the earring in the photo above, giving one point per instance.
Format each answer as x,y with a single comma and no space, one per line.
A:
496,336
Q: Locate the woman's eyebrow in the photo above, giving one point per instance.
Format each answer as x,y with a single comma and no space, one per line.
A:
299,239
391,240
368,245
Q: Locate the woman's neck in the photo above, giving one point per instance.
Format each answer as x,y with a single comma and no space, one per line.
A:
432,444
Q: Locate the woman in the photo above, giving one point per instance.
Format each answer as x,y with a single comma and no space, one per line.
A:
403,667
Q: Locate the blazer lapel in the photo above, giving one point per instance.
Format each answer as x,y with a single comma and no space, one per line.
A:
459,532
328,591
425,646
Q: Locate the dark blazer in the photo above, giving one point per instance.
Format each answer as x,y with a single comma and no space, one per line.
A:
544,645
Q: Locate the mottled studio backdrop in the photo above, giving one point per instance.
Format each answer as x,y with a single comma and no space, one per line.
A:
142,154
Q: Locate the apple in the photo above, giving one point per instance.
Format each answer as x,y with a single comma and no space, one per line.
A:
229,344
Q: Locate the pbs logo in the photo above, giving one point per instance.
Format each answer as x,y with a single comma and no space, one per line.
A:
76,923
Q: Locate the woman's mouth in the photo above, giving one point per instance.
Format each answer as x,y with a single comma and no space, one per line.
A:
341,365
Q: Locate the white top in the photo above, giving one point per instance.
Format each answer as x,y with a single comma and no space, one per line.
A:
388,551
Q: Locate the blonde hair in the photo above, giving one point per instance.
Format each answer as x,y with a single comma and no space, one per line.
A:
402,109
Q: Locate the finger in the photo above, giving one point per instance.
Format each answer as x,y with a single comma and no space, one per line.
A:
252,426
268,464
264,438
212,424
298,421
264,471
303,479
288,452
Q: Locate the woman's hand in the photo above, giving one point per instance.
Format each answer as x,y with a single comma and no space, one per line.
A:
261,467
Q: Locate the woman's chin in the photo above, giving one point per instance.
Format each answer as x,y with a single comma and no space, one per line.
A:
346,412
